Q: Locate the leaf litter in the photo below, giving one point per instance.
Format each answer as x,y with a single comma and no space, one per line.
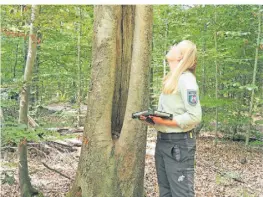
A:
220,170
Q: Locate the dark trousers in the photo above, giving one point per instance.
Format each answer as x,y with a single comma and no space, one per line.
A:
174,161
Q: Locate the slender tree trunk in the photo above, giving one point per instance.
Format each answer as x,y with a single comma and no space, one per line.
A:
216,85
203,62
25,55
151,96
254,76
14,72
165,46
2,119
34,97
26,188
36,81
28,72
120,69
79,72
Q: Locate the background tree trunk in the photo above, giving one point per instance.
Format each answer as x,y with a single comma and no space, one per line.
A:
165,47
216,85
254,74
2,119
203,62
79,71
110,164
14,71
26,188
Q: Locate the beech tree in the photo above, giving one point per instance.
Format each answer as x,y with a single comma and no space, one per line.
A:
26,188
113,151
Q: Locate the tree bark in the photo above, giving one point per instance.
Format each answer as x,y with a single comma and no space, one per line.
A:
28,71
26,188
123,60
114,165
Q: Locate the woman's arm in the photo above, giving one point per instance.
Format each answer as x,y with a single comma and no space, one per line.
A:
190,96
161,121
193,113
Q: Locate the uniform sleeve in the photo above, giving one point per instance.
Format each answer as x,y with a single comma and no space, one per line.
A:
159,127
190,95
159,108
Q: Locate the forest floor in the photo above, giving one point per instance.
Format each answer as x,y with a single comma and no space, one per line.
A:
219,170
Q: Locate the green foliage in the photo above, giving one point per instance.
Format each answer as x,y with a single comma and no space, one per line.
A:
245,193
9,179
56,73
256,143
15,134
259,122
235,56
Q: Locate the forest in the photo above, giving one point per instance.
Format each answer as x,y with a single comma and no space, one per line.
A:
71,76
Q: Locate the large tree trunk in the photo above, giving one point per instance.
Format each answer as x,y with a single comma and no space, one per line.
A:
112,155
124,44
26,188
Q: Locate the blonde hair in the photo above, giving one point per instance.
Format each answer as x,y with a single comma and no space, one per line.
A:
188,62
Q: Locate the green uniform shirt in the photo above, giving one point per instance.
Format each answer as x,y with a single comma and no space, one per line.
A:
184,105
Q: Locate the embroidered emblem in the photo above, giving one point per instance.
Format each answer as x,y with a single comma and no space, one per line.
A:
192,97
181,178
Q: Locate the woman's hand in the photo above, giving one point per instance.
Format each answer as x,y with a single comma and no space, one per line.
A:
157,120
143,118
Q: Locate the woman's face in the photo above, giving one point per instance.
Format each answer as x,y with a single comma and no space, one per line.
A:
174,54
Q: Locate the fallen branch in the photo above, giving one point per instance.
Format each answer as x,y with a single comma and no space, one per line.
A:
8,147
42,147
31,122
54,170
74,142
42,152
59,146
67,130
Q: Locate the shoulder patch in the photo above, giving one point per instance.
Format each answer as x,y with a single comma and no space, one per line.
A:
192,97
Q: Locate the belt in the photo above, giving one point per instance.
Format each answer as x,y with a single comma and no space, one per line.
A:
174,136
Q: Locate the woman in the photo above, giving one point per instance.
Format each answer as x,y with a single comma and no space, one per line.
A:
175,148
